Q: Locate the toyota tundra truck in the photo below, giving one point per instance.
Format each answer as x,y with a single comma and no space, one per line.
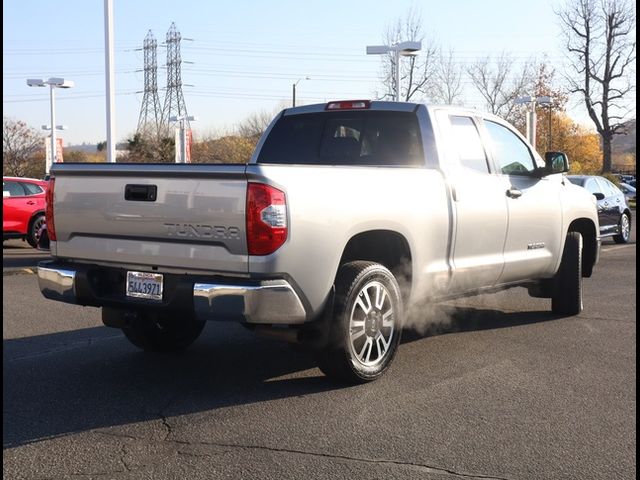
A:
347,214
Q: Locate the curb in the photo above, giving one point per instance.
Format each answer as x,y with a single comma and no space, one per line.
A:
18,271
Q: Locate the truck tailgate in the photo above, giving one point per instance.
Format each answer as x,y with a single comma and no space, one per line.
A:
188,217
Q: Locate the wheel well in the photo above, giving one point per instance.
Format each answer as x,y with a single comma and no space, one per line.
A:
385,247
587,229
33,217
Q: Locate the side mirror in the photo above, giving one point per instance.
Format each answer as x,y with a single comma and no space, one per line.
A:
556,162
599,196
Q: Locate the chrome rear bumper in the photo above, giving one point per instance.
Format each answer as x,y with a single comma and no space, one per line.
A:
264,302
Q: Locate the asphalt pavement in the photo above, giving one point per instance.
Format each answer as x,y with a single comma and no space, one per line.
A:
493,387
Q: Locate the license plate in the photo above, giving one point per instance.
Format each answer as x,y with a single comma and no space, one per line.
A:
144,285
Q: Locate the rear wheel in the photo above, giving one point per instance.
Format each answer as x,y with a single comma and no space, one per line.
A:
162,332
365,331
567,284
33,235
624,228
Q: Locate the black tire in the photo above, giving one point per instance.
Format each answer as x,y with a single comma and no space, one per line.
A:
567,284
362,345
625,229
162,332
34,230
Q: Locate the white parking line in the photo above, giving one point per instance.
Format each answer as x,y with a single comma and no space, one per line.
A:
611,249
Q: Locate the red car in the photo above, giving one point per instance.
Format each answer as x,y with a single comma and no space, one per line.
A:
23,203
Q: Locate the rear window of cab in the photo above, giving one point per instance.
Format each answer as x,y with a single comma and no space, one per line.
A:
368,138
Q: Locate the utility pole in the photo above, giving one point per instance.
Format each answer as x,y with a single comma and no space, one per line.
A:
293,103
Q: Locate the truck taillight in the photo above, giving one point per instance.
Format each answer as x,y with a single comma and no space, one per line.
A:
348,105
266,219
51,229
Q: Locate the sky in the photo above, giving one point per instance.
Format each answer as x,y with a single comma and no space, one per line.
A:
245,54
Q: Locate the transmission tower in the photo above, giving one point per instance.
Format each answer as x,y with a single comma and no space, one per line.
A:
150,111
174,99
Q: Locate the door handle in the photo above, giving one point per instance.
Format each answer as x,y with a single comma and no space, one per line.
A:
31,202
514,193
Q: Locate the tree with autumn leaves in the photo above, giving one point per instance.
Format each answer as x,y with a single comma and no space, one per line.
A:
556,131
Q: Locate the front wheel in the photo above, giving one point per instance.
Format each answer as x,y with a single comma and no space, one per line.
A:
567,284
365,331
624,228
33,235
162,332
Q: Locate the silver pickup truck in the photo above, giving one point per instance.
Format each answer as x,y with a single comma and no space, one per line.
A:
347,215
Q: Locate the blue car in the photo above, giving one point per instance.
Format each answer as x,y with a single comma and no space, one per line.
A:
614,214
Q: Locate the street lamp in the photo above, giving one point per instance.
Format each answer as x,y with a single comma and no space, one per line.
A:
52,83
404,49
294,89
531,115
182,119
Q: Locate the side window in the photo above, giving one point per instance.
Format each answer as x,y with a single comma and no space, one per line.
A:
512,154
604,187
468,144
592,186
31,188
611,187
12,189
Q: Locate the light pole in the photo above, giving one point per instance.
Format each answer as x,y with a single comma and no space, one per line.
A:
531,115
182,158
404,49
294,89
53,83
110,82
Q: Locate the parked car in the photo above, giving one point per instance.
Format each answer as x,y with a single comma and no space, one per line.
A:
632,183
614,214
628,190
23,208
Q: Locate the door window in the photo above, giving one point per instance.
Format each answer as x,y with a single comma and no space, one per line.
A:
12,189
592,185
468,144
31,188
512,154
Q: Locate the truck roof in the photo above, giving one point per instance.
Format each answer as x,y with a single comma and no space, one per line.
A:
389,106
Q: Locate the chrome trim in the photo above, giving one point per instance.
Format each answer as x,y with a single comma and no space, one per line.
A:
57,284
271,302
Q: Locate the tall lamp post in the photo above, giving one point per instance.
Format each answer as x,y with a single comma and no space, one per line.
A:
53,83
532,102
402,49
294,89
182,158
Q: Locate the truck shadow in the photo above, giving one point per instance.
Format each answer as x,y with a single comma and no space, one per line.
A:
93,378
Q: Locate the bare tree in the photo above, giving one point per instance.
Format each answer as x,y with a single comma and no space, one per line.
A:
19,145
448,86
600,39
500,83
416,72
255,124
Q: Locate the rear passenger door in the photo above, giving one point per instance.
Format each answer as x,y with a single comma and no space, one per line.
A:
534,237
479,205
